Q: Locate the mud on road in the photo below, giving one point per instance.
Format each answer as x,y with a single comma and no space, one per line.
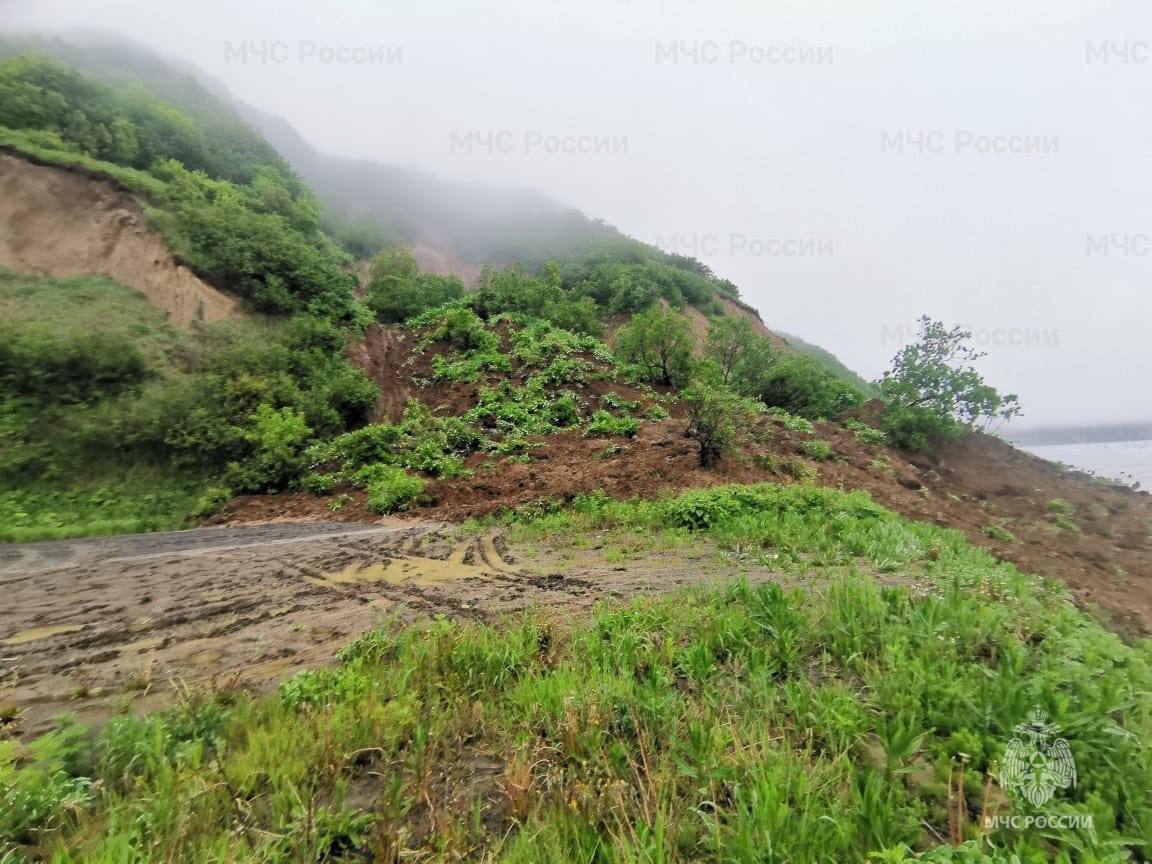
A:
96,627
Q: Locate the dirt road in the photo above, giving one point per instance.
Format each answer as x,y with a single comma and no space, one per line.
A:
25,558
94,627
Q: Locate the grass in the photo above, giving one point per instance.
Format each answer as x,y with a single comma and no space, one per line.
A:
141,502
999,532
859,721
54,483
817,449
42,149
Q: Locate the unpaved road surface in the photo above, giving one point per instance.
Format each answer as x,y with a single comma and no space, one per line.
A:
95,627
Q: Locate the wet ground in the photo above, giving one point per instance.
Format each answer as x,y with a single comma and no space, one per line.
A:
94,627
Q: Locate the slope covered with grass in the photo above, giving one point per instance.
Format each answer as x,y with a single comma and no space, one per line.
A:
113,422
863,718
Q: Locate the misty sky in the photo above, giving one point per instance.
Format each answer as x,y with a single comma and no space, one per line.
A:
750,127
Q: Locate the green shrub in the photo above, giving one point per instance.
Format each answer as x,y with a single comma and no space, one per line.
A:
365,446
914,427
38,798
397,290
742,356
514,291
792,422
213,499
462,328
817,449
999,532
613,401
804,386
864,433
934,391
699,510
564,412
318,484
277,439
389,488
606,425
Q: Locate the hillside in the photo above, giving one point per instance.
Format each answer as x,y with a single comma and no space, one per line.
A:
124,172
510,538
367,203
66,223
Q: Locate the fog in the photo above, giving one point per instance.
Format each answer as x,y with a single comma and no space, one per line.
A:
850,166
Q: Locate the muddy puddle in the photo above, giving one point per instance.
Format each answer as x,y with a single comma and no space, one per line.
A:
35,634
405,570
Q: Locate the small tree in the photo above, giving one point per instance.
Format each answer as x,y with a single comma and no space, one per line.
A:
742,356
717,415
659,343
932,389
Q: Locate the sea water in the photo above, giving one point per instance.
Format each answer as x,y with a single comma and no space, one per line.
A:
1127,461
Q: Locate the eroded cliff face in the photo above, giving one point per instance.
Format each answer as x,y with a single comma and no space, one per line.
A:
61,223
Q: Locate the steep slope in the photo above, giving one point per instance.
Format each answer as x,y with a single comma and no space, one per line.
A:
65,223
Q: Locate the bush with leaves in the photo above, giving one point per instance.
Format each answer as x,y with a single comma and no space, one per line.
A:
717,416
462,328
38,797
933,391
514,291
273,254
659,344
804,386
816,449
389,488
422,441
605,425
864,433
397,290
277,439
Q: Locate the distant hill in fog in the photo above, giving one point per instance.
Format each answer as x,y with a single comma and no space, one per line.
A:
1082,434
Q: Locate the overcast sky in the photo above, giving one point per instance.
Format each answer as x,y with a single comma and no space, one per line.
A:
983,162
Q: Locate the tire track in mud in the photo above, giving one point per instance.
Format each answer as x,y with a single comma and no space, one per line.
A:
96,626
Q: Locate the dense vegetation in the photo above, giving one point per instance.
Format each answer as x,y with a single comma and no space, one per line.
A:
133,110
223,197
112,421
848,722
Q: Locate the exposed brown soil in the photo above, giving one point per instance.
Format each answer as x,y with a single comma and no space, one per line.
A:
386,356
740,310
381,355
63,223
1103,552
108,626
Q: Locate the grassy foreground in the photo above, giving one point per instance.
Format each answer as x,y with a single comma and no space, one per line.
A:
855,721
